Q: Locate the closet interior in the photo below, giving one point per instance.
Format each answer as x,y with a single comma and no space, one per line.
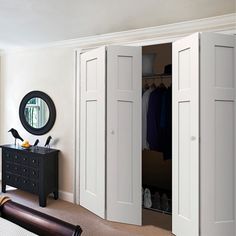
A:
157,135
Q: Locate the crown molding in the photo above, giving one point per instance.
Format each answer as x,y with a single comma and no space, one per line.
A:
168,32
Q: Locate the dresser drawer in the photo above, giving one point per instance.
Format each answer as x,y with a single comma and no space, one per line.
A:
33,173
16,180
25,160
9,178
25,171
33,186
16,169
16,158
24,184
8,166
13,180
33,161
29,185
8,156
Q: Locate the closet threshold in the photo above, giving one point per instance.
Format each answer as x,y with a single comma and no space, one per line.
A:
158,210
154,76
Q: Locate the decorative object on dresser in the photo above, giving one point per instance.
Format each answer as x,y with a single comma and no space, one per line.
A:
36,142
47,144
33,170
15,134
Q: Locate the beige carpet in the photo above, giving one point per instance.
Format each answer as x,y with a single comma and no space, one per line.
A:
91,224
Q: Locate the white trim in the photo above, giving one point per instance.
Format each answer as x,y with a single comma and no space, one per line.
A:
77,141
150,35
75,130
66,196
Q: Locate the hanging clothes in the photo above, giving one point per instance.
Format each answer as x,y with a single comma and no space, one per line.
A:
154,131
145,104
157,130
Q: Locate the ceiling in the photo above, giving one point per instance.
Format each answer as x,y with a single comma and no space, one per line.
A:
32,22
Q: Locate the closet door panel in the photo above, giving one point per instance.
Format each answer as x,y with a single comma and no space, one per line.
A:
185,165
92,131
184,146
218,143
124,134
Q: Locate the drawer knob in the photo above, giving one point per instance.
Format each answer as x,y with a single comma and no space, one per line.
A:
24,170
8,176
24,181
33,161
33,185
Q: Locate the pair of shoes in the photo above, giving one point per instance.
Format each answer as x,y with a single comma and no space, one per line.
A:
156,203
164,203
147,198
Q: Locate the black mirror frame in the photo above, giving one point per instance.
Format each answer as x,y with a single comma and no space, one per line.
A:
52,113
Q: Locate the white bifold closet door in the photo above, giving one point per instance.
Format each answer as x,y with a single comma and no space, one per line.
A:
92,130
110,133
204,128
185,165
124,91
218,129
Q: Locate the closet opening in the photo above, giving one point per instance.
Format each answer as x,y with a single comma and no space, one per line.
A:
157,135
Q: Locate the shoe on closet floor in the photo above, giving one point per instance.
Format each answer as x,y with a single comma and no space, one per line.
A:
156,203
164,202
147,198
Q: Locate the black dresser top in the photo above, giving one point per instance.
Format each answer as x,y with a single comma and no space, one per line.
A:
37,149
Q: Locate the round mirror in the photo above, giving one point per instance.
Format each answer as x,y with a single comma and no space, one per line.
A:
37,112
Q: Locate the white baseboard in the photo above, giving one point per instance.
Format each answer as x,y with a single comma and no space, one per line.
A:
66,196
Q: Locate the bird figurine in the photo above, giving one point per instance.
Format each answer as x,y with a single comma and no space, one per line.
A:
48,142
36,142
15,134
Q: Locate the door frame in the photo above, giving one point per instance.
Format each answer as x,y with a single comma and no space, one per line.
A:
147,39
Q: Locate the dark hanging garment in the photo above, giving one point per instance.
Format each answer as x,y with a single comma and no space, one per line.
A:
154,130
164,109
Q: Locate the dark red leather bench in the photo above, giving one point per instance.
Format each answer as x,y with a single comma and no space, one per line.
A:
37,222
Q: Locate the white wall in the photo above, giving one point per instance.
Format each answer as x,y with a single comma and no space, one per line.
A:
51,71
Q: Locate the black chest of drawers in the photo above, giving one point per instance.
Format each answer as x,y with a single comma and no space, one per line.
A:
34,170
